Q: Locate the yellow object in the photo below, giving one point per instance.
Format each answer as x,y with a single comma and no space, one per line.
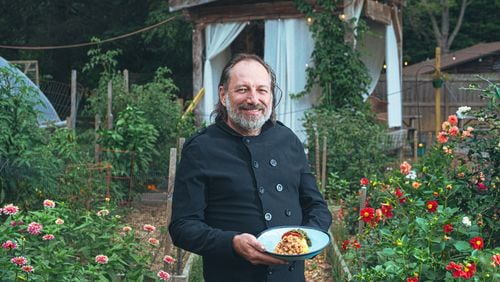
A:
194,103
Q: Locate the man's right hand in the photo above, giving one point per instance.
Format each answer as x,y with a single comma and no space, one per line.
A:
247,246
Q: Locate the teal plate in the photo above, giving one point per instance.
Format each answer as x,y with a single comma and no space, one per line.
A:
271,237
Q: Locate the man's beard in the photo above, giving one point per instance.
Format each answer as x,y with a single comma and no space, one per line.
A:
247,123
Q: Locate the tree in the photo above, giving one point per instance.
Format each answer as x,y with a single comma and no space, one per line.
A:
450,24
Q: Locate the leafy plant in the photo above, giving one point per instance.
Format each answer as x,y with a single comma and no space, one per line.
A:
59,243
437,220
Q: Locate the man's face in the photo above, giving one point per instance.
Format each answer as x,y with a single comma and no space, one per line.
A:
248,98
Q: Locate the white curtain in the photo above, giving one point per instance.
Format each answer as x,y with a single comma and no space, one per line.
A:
218,37
372,51
288,45
394,106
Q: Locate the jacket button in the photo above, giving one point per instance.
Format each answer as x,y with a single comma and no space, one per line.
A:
279,187
273,162
256,164
268,216
247,140
288,212
261,190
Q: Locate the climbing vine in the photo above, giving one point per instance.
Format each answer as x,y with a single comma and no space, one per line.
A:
337,68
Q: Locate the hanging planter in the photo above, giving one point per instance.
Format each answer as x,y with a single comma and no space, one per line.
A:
437,83
438,79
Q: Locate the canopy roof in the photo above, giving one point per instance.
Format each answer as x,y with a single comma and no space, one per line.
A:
47,112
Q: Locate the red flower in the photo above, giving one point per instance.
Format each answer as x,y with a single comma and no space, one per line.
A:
412,279
367,214
356,245
364,181
476,243
431,206
455,268
405,168
495,260
345,244
448,228
399,194
469,270
387,210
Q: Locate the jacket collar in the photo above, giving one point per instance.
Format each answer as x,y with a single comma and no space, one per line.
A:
223,125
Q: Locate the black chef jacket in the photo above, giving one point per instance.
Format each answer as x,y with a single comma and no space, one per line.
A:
227,184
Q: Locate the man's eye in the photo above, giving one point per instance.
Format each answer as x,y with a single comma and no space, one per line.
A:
241,90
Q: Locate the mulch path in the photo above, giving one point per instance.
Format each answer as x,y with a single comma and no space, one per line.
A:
155,213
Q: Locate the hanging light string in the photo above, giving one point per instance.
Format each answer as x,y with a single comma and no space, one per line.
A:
88,43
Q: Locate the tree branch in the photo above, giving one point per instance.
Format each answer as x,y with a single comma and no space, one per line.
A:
465,3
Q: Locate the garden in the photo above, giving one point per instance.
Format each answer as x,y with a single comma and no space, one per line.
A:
72,200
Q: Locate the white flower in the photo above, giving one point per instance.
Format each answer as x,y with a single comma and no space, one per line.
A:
412,175
466,221
462,111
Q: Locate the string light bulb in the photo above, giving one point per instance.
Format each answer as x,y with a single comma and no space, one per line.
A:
342,17
309,20
406,63
385,66
453,57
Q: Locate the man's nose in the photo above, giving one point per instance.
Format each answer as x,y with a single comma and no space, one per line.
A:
252,96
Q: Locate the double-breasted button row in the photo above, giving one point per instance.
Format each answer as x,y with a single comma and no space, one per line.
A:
268,216
273,162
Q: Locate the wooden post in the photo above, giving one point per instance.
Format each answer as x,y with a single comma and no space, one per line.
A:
110,102
318,173
97,149
125,81
415,146
170,189
73,99
362,202
437,91
323,167
429,140
197,53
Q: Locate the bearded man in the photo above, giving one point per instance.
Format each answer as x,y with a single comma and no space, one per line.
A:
241,175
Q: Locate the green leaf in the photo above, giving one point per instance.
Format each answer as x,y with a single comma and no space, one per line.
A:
462,246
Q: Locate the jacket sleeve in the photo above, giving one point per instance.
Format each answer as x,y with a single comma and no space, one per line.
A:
187,228
314,208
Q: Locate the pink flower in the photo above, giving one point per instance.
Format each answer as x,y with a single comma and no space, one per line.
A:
103,213
481,186
149,228
163,275
101,259
35,228
453,131
442,137
168,259
495,260
9,245
59,221
405,168
18,260
153,241
453,119
445,125
49,204
10,209
48,237
127,229
27,268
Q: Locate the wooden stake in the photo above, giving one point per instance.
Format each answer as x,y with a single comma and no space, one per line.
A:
73,99
316,139
97,126
362,204
170,189
437,91
110,102
125,81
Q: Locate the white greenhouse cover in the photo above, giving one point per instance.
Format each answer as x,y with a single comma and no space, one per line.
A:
47,112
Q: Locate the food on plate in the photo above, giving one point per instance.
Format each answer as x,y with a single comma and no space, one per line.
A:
293,242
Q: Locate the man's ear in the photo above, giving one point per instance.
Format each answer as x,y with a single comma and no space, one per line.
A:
222,95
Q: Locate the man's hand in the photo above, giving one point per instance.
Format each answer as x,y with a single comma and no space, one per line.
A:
247,246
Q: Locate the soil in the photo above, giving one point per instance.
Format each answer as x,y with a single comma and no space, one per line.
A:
316,270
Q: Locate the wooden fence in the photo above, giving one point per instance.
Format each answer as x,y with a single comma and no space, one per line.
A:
419,101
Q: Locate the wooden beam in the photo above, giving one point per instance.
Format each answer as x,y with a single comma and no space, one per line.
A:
378,12
244,12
